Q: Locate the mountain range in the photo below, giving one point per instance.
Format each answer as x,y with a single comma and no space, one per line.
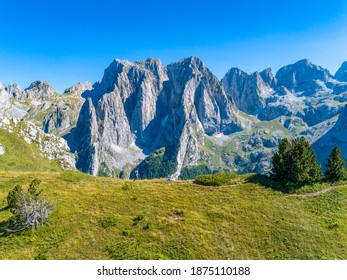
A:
180,120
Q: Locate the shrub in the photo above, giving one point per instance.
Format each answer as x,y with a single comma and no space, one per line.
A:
217,179
108,221
28,207
13,198
41,256
138,219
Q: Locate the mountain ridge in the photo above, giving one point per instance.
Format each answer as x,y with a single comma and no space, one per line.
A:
143,106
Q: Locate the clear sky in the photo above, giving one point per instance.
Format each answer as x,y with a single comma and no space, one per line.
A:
66,41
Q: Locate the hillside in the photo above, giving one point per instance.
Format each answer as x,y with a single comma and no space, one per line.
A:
19,155
104,218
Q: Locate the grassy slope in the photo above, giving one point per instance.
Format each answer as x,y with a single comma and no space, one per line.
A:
21,156
180,221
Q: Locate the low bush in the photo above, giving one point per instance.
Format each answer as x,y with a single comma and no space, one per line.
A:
108,221
217,179
28,207
137,219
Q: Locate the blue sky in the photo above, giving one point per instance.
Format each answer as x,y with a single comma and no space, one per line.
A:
64,42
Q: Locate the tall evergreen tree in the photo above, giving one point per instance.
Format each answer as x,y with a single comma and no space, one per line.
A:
295,163
281,161
335,167
305,168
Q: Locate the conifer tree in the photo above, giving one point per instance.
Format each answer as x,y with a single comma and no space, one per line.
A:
335,167
305,168
295,163
281,161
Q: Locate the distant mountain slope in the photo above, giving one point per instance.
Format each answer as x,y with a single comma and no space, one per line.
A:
40,104
336,136
301,89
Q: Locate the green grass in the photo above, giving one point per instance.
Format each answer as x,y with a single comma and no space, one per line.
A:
217,179
105,218
21,156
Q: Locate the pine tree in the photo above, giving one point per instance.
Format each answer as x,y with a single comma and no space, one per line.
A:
281,161
295,163
335,167
305,169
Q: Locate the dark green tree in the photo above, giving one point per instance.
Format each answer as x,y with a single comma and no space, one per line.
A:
295,163
305,169
335,167
281,161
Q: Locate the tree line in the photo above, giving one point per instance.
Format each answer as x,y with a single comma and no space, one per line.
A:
295,163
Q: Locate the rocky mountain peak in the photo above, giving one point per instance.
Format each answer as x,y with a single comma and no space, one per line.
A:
268,77
39,89
303,76
120,70
79,88
247,89
14,90
191,66
341,74
191,63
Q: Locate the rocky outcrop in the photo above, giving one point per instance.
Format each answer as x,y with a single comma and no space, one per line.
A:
40,104
50,146
39,90
119,116
79,88
10,104
83,140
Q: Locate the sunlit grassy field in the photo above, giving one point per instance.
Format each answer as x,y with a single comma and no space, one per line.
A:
104,218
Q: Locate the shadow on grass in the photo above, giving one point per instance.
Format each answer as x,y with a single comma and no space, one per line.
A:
268,182
4,209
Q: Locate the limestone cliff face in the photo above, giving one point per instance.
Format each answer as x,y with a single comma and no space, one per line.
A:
248,90
39,90
197,105
341,73
125,104
40,104
83,139
142,106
